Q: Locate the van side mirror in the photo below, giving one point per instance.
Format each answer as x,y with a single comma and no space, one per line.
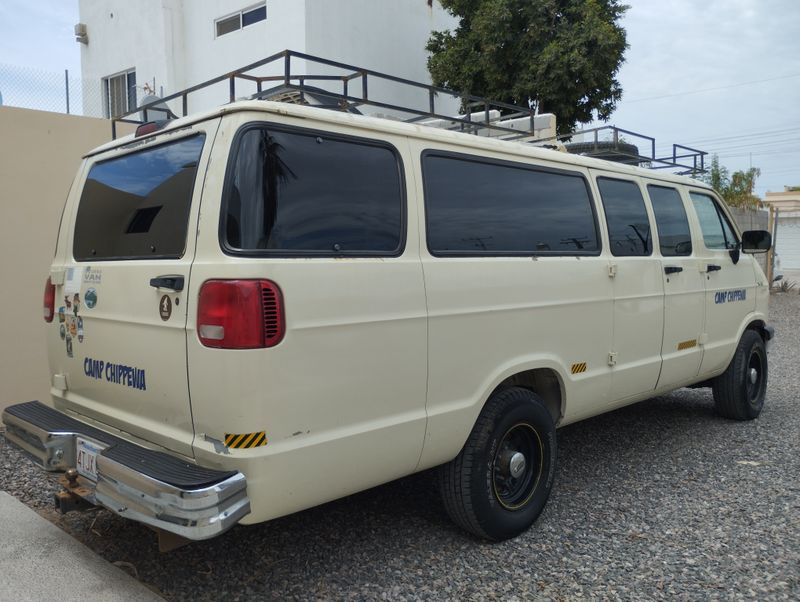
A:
756,241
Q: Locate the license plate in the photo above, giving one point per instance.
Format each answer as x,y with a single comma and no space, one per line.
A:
86,457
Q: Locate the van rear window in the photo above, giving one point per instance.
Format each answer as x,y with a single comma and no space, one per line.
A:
136,206
482,207
305,193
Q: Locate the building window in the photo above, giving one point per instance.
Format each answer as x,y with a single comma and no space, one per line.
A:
119,94
241,19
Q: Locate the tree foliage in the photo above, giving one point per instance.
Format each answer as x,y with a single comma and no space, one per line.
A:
737,187
562,54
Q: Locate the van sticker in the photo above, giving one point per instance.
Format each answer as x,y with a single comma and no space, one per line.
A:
69,346
72,282
90,298
72,326
245,440
76,303
118,374
730,296
67,302
63,332
687,344
165,307
80,329
92,275
61,314
579,368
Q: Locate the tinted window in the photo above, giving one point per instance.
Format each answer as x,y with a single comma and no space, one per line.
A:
228,25
309,193
673,227
717,233
496,209
254,16
626,216
137,206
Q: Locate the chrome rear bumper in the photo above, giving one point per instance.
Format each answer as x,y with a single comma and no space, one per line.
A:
147,486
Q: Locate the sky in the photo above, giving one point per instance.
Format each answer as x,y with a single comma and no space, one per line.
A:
718,75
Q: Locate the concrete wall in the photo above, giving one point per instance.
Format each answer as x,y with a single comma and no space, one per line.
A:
39,155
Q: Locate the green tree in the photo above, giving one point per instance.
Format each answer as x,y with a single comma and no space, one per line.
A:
737,187
562,54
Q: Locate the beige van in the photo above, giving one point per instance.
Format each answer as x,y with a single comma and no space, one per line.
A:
265,307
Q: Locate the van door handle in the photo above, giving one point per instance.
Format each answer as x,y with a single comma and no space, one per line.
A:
672,269
171,281
713,268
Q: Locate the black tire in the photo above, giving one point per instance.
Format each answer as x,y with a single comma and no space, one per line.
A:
479,489
739,391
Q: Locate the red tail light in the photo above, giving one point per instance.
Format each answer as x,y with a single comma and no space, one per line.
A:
49,300
240,314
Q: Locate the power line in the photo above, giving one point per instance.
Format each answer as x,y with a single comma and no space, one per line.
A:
699,91
758,134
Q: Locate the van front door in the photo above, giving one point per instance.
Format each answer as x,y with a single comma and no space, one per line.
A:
684,288
730,287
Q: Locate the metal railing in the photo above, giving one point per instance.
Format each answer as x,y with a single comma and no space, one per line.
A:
612,142
355,84
351,88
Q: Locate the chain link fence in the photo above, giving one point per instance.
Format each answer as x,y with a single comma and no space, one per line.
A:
63,92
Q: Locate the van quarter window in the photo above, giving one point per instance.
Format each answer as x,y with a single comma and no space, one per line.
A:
717,232
479,207
136,206
673,226
626,216
308,193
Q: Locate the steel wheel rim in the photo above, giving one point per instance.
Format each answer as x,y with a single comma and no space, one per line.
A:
514,492
754,376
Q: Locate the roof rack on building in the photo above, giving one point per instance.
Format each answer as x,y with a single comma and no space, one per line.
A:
334,85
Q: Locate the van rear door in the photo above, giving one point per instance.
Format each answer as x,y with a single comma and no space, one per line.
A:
120,301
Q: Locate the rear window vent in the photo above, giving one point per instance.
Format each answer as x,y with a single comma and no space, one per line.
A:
273,315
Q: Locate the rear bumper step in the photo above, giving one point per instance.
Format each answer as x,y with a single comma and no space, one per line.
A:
147,486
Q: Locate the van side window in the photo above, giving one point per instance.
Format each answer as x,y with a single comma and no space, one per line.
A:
309,193
717,232
484,207
673,226
136,206
626,216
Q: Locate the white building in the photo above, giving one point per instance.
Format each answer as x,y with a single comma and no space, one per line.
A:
130,49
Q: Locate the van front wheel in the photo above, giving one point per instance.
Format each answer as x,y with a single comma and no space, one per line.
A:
739,391
499,483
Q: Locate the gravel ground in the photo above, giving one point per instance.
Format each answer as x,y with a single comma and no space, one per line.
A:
660,500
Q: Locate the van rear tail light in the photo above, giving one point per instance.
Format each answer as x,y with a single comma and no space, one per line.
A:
240,314
49,300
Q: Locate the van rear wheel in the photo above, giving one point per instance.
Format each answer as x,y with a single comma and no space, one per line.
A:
739,391
500,481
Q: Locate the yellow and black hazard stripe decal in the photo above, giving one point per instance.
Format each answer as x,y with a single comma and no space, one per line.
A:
687,344
579,368
245,440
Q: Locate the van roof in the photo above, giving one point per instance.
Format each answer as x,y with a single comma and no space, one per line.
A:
401,128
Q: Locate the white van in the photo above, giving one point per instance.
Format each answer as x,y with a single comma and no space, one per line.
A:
265,307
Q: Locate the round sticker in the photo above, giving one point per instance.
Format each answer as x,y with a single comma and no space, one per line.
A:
90,298
165,307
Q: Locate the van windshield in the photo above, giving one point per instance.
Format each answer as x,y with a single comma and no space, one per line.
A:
136,206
